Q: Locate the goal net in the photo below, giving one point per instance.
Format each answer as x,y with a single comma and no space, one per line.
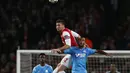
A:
27,59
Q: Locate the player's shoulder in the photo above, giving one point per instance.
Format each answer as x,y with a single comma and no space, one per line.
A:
74,47
47,65
87,48
65,32
36,67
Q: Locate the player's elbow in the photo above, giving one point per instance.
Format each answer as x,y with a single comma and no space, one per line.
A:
79,36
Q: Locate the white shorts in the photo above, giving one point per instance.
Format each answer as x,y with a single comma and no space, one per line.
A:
67,61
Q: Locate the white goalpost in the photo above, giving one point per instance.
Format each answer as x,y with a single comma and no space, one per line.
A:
27,59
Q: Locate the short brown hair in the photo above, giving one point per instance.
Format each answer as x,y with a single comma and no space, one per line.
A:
82,38
60,21
42,54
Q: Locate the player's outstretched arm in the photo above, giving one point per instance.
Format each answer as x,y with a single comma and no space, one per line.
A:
64,47
102,52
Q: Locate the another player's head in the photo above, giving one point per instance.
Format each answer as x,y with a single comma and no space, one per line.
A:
112,67
60,25
81,42
42,57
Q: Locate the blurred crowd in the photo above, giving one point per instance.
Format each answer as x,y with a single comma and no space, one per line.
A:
30,24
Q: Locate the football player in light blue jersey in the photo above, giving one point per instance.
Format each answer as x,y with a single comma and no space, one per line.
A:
42,67
79,56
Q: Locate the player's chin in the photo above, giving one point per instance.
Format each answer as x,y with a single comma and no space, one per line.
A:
58,30
42,61
81,44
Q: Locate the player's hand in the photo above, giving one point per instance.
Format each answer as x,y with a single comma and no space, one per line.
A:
108,55
56,51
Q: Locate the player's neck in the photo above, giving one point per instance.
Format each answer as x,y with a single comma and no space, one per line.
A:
42,63
61,30
113,71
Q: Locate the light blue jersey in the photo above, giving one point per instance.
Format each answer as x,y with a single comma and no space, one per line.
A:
42,69
79,58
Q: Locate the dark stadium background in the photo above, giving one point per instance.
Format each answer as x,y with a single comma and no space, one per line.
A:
30,24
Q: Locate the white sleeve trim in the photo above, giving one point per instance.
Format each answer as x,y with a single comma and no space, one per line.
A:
67,40
75,34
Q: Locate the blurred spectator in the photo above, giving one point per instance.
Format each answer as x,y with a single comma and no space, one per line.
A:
113,69
104,45
3,59
127,34
108,44
41,44
2,70
111,43
128,46
14,70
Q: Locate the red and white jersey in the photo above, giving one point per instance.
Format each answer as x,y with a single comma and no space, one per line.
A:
68,37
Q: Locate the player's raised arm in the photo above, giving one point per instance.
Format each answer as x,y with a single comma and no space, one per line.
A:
75,34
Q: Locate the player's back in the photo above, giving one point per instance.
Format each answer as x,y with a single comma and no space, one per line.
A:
42,69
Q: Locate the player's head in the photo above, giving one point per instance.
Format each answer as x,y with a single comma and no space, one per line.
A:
112,67
42,57
60,24
81,42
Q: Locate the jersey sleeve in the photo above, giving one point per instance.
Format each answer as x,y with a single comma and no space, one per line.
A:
69,50
34,70
50,69
66,36
75,34
91,51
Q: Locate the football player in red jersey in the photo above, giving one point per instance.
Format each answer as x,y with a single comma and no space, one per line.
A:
69,39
